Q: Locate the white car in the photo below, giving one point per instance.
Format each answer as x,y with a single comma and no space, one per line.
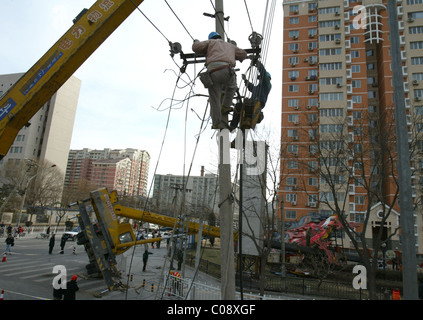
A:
72,234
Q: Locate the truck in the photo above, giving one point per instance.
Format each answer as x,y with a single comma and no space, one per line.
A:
104,237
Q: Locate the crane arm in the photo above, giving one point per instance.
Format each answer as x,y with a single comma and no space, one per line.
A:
90,29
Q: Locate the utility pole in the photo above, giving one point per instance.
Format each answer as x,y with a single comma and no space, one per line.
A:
408,241
227,267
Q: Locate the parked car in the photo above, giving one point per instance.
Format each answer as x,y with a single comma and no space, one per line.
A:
72,234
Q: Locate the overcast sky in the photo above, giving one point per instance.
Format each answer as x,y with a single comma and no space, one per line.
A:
128,82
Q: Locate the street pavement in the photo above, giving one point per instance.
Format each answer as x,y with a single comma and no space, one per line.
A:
27,273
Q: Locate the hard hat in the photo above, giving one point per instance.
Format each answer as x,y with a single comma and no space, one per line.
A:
214,35
74,277
268,74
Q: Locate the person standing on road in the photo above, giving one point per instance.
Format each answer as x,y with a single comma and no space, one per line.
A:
145,258
71,288
51,243
10,242
63,243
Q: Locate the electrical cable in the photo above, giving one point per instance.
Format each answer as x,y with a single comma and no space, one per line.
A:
182,101
179,19
150,21
155,170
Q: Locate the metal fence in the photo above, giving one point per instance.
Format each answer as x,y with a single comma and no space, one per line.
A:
297,285
185,289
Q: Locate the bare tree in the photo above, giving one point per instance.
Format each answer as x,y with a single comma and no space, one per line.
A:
357,152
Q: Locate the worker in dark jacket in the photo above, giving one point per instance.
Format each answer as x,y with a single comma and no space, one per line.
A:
260,92
71,288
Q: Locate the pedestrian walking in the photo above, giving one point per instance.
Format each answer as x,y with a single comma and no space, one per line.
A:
145,258
51,243
71,288
10,242
221,57
9,229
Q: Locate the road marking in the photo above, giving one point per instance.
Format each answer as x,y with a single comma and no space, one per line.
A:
35,268
25,295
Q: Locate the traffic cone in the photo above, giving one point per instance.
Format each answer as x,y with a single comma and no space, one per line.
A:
2,294
4,258
74,250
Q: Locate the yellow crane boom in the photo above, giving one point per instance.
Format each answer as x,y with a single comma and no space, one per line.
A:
90,29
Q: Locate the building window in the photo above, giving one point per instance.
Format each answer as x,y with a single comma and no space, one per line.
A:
294,74
291,214
330,66
415,15
329,10
416,60
294,46
416,44
293,60
330,52
312,6
294,20
293,88
330,37
294,33
329,23
292,102
312,18
332,112
415,30
331,96
292,148
355,39
330,81
292,164
293,8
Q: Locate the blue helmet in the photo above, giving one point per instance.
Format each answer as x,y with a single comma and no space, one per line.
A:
214,35
268,74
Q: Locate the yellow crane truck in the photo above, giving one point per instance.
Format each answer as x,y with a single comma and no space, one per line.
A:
104,236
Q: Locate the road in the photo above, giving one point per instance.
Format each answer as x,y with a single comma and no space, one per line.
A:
27,273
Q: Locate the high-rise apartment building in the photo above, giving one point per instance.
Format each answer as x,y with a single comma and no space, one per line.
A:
338,136
125,171
48,136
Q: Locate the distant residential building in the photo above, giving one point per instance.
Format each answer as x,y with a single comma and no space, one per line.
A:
125,171
200,192
48,137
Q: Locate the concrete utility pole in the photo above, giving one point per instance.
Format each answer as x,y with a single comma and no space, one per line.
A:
408,241
227,267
